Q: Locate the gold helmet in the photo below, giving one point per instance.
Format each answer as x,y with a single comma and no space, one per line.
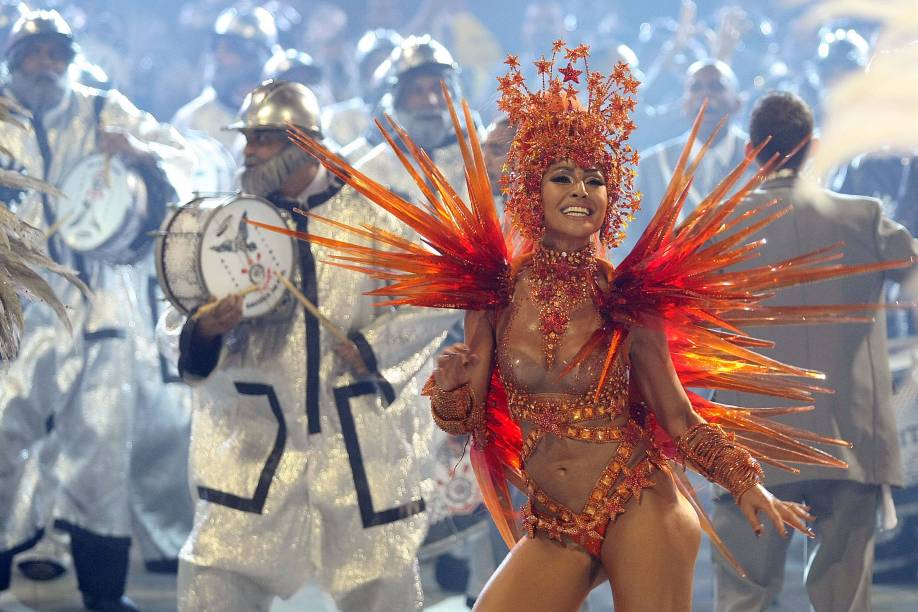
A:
274,105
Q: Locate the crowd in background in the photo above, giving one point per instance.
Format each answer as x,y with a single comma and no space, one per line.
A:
153,52
157,53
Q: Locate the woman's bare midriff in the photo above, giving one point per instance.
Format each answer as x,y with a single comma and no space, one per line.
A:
566,469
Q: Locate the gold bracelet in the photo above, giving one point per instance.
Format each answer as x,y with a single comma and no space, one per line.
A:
456,411
719,458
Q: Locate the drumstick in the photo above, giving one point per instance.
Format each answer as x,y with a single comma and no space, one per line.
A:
107,166
57,225
336,331
107,171
203,310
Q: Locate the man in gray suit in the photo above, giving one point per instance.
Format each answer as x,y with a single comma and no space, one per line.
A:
853,356
710,80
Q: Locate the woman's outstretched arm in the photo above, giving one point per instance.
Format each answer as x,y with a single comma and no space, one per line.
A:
703,447
656,379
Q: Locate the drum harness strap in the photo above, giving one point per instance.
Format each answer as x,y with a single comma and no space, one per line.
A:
310,289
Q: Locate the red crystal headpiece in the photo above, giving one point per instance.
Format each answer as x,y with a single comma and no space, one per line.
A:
552,124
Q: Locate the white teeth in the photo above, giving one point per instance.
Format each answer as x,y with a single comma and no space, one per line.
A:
575,211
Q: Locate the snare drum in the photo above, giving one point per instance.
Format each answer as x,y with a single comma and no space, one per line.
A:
106,212
206,249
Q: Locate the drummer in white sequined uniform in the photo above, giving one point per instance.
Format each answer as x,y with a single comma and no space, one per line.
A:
67,404
306,450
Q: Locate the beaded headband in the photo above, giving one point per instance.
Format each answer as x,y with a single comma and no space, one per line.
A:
552,124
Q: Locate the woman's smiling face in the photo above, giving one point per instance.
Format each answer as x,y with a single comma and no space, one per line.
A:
575,201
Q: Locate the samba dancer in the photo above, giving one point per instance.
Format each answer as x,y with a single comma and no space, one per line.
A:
306,451
67,404
572,378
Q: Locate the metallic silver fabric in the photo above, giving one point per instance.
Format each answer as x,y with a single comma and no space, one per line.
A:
86,383
346,121
161,501
339,501
206,588
207,114
382,165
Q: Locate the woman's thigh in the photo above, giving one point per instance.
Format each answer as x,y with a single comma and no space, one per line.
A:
650,550
538,575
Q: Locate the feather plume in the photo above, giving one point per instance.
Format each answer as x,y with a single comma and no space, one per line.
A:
872,110
22,255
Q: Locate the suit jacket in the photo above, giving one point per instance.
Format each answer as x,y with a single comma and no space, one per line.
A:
853,356
656,170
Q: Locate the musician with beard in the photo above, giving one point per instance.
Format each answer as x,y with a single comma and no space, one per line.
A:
306,450
243,39
351,120
67,404
411,94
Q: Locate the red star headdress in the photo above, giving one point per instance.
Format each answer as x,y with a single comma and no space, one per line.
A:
552,124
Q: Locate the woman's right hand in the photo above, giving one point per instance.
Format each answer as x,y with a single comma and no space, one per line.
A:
454,367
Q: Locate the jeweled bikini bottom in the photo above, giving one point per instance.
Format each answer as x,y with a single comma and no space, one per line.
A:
621,480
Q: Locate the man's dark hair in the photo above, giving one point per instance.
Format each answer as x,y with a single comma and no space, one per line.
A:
788,120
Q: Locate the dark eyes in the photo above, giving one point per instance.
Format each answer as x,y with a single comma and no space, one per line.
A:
565,179
264,139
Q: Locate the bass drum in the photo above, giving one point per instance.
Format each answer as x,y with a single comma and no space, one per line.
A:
107,212
206,249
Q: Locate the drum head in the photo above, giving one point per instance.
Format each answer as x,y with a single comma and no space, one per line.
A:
234,255
99,199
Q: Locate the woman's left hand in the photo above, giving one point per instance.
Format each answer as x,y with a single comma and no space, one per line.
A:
758,500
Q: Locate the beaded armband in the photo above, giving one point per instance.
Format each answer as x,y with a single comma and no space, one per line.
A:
456,411
710,449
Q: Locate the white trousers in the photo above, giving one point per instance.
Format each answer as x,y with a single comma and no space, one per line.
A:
203,589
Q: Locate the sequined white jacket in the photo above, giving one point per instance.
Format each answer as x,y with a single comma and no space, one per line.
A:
84,383
303,470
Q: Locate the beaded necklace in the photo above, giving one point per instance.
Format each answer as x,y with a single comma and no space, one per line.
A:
560,281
